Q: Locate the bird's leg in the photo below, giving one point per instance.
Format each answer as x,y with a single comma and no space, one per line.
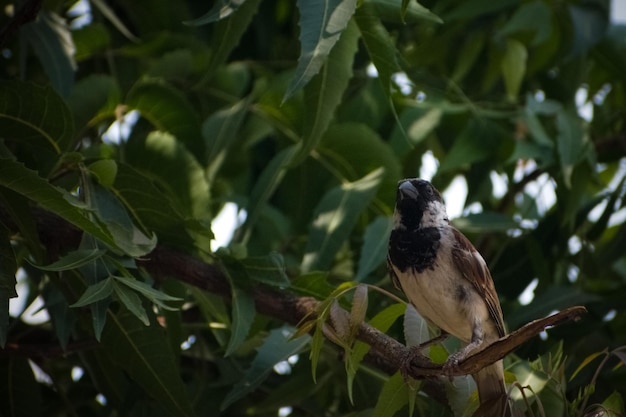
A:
415,351
453,361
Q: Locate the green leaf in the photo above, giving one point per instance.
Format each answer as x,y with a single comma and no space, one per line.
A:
374,249
221,9
243,307
131,301
93,99
112,213
152,294
110,15
614,403
485,222
415,327
29,112
570,141
169,110
73,260
321,25
220,131
105,170
514,67
380,47
22,180
51,39
314,284
227,34
178,174
335,216
95,292
277,346
140,350
585,362
393,396
534,16
267,269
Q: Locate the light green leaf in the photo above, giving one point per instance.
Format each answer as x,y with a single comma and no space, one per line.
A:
514,67
614,403
379,45
374,249
51,39
105,170
140,350
485,221
73,260
277,346
323,93
29,112
393,396
131,301
169,110
527,376
221,9
415,327
22,180
335,216
321,25
95,292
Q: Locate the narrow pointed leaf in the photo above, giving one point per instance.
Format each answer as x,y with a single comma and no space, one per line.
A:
392,398
95,292
73,260
374,249
131,301
321,25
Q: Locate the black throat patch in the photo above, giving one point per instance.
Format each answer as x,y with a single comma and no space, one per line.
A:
416,248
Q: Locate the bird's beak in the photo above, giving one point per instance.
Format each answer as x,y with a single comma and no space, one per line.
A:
407,190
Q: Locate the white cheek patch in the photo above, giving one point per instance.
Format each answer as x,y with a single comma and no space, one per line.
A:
435,215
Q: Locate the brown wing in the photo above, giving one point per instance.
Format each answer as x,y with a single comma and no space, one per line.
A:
474,269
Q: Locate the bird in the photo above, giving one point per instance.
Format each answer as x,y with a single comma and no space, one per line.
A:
448,282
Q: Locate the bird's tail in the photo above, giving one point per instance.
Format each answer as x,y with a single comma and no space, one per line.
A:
492,392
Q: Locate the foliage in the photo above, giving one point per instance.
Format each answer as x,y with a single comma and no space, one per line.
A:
137,127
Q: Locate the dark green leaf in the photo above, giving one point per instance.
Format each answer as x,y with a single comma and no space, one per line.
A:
73,260
335,216
570,142
374,249
8,267
221,9
149,362
313,284
392,398
485,222
31,113
22,180
243,312
321,26
52,41
95,292
93,99
20,394
379,44
409,12
276,347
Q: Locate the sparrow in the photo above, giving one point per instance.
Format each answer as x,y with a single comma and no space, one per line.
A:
448,282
